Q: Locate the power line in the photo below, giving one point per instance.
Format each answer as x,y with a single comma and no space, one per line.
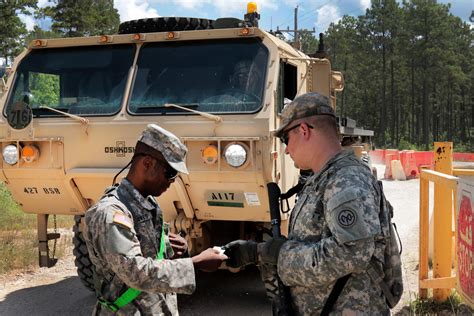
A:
307,15
287,19
295,31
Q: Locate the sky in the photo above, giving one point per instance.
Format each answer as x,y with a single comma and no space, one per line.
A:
316,14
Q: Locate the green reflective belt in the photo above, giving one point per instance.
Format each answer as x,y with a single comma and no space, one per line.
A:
130,294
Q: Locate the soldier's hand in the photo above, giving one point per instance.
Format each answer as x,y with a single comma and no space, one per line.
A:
241,253
270,249
209,260
179,245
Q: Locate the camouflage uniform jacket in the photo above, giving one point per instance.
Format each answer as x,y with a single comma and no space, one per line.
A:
122,233
333,231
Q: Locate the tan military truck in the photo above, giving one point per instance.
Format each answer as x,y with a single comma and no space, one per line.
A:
72,110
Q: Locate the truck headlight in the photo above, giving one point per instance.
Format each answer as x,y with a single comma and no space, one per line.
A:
235,155
10,154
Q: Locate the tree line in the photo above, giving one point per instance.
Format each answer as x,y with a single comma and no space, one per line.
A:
408,66
69,18
408,71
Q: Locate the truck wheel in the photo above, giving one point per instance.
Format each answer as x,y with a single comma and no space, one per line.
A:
82,260
164,24
268,276
271,286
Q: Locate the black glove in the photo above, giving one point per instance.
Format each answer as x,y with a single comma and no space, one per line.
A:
241,253
271,249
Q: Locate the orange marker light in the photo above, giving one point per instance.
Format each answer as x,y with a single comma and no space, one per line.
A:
29,153
104,39
137,37
37,43
245,31
209,154
170,35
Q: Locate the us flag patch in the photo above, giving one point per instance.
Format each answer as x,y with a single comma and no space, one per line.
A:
123,220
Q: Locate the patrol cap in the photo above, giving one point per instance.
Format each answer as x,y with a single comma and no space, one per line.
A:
167,144
305,105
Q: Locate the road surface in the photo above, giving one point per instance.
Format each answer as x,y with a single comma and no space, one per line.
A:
58,291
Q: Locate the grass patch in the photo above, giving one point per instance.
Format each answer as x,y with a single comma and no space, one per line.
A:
453,306
18,235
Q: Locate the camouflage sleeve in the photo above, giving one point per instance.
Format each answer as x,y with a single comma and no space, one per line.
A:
123,254
314,264
351,215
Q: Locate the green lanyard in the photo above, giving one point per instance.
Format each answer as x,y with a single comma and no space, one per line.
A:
130,294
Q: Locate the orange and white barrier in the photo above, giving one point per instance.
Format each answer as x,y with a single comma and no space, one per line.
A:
408,161
411,161
389,157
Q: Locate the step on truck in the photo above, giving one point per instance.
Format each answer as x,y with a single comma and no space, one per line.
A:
73,108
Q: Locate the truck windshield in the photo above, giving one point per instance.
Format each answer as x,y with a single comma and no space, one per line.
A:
79,80
221,76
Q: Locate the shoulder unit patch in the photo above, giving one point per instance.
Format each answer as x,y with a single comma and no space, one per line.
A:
346,218
122,219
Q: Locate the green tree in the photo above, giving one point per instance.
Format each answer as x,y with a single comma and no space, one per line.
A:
45,89
309,43
72,18
38,32
381,21
12,29
408,72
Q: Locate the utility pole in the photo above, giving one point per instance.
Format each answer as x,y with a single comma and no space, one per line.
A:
297,38
296,42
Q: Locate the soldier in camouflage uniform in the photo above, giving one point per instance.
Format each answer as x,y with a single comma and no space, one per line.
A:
126,239
334,228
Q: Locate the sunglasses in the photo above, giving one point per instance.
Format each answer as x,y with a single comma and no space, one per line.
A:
285,138
170,172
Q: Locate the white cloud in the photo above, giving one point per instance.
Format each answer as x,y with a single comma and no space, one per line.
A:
134,9
326,15
223,8
28,20
365,4
292,3
44,3
238,8
191,4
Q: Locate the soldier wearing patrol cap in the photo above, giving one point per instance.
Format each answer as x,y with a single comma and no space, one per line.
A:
138,265
334,228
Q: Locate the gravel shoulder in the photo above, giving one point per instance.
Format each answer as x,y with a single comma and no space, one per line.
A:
58,290
45,291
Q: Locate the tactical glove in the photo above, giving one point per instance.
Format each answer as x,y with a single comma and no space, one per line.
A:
270,249
241,253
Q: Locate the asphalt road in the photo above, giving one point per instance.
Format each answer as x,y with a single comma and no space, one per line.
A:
58,291
61,293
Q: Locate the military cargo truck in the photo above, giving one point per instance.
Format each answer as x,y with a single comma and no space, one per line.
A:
73,108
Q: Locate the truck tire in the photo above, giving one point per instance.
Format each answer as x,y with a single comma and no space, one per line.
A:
165,24
82,260
269,278
271,287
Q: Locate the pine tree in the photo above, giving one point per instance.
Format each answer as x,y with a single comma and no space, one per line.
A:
12,29
408,73
73,18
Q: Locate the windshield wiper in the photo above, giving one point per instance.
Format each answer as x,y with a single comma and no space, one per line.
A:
82,120
210,116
